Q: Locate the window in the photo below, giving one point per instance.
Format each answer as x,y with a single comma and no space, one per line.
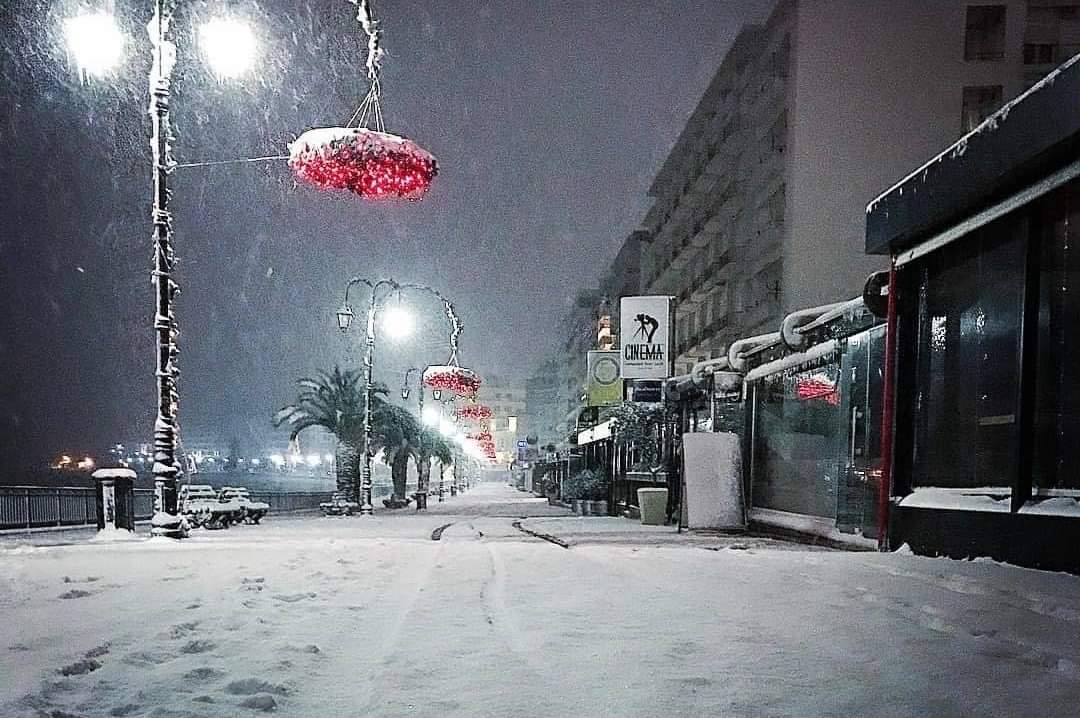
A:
1057,377
1038,53
980,101
984,33
971,298
511,423
798,442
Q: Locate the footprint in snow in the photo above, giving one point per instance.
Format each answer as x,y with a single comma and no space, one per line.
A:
81,668
75,593
98,651
294,597
147,658
88,579
183,630
125,710
198,646
251,686
203,675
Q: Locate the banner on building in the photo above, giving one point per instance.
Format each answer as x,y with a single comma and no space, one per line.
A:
605,387
645,334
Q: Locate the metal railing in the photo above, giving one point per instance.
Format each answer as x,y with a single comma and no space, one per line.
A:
27,507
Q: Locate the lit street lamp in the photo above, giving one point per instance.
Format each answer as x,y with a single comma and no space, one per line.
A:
97,45
380,291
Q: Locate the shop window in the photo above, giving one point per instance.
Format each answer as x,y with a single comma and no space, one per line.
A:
798,442
970,308
979,102
1056,446
984,33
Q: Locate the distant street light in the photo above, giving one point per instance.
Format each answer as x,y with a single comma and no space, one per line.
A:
98,45
380,291
95,41
229,47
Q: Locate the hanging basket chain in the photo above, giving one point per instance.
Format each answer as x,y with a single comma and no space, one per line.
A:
369,107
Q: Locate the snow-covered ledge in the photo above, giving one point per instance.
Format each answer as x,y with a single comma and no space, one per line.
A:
995,499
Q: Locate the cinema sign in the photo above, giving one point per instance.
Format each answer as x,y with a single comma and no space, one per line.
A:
645,335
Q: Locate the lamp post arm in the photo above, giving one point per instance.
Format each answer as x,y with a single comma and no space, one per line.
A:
456,327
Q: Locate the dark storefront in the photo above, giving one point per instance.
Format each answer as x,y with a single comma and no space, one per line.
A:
985,240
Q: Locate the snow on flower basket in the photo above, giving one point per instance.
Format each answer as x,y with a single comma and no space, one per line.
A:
372,164
454,379
473,412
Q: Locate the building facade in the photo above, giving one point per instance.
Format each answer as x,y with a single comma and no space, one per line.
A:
758,209
508,424
987,391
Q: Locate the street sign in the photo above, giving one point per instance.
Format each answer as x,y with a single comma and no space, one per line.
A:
645,391
605,386
646,337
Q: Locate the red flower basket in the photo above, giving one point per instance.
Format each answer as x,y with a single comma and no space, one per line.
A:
454,379
473,412
374,165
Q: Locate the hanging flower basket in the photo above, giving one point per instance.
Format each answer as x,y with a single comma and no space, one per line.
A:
374,165
454,379
473,412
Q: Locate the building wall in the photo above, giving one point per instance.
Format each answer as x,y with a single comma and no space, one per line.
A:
714,230
759,208
867,104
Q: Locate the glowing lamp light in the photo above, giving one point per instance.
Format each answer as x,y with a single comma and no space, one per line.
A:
277,460
398,323
228,46
95,41
431,416
446,428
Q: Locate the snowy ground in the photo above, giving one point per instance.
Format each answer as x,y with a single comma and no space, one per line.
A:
371,617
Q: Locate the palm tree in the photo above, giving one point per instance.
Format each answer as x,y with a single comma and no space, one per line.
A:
431,444
335,401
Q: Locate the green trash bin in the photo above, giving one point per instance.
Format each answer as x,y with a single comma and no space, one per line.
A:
653,506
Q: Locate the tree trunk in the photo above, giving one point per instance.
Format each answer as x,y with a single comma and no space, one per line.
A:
399,472
347,460
423,470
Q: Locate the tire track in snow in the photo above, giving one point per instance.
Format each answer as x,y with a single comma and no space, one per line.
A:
384,660
500,617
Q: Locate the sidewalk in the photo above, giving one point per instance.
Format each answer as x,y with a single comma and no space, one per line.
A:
612,530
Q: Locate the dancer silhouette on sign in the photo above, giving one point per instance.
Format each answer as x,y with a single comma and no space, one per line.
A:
647,326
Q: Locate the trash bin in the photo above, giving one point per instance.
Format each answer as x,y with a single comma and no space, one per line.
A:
653,505
115,489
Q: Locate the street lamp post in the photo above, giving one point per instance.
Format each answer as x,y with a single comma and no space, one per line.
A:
380,290
98,46
166,470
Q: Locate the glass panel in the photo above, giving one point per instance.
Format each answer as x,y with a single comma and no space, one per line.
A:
799,440
1057,392
863,369
971,303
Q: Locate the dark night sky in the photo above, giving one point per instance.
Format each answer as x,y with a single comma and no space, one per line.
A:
549,120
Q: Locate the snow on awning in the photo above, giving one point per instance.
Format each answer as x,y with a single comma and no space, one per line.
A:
597,433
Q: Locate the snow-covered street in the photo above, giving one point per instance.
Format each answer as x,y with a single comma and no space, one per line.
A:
371,617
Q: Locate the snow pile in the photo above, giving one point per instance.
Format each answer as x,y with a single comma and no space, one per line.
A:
369,616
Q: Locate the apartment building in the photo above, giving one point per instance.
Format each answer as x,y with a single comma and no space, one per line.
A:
506,399
759,208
